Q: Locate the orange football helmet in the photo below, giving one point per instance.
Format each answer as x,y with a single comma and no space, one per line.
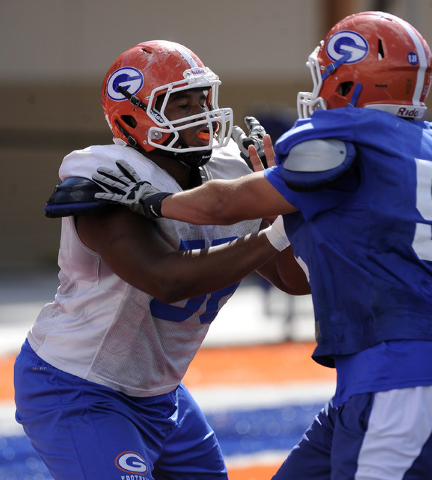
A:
371,60
139,76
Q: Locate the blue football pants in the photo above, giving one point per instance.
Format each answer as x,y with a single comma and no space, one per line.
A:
83,430
373,436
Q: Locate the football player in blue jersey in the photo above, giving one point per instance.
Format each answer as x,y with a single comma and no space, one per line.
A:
98,383
353,181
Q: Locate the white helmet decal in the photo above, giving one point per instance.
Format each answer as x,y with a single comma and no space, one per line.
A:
129,78
345,42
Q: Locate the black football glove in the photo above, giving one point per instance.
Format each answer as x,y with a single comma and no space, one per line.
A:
255,136
127,189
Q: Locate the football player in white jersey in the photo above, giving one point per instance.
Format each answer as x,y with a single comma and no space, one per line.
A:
353,182
99,379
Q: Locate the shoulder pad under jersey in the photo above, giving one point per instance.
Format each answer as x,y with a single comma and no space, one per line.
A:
75,196
315,164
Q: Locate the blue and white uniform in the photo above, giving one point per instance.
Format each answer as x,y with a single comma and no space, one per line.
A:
109,359
366,241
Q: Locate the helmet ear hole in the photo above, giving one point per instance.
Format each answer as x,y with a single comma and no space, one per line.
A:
129,120
345,88
380,50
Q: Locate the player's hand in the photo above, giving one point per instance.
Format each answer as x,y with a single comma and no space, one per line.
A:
254,137
126,188
256,158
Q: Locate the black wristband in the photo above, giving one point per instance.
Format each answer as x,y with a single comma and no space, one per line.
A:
152,204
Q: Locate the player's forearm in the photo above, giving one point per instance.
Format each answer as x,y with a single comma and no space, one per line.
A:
218,267
224,202
207,205
228,264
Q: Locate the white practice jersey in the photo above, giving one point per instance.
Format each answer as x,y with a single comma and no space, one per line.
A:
102,329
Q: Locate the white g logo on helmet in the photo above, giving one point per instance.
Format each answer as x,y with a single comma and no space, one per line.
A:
345,42
129,78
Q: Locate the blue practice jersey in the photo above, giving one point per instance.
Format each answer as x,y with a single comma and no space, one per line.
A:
366,240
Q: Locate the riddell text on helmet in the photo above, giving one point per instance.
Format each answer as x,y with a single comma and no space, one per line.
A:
406,112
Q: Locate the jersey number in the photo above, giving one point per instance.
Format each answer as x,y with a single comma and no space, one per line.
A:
209,304
422,243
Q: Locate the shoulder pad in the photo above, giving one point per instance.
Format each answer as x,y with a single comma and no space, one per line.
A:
75,196
315,164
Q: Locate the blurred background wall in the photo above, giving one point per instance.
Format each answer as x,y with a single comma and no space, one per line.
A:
55,53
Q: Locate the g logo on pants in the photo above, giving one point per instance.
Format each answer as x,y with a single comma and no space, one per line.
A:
131,462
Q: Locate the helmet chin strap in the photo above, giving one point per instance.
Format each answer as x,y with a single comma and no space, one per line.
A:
355,95
193,159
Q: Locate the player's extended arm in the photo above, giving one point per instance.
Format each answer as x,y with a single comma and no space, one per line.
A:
133,249
223,202
218,202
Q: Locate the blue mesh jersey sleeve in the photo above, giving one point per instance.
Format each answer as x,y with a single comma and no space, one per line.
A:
367,241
